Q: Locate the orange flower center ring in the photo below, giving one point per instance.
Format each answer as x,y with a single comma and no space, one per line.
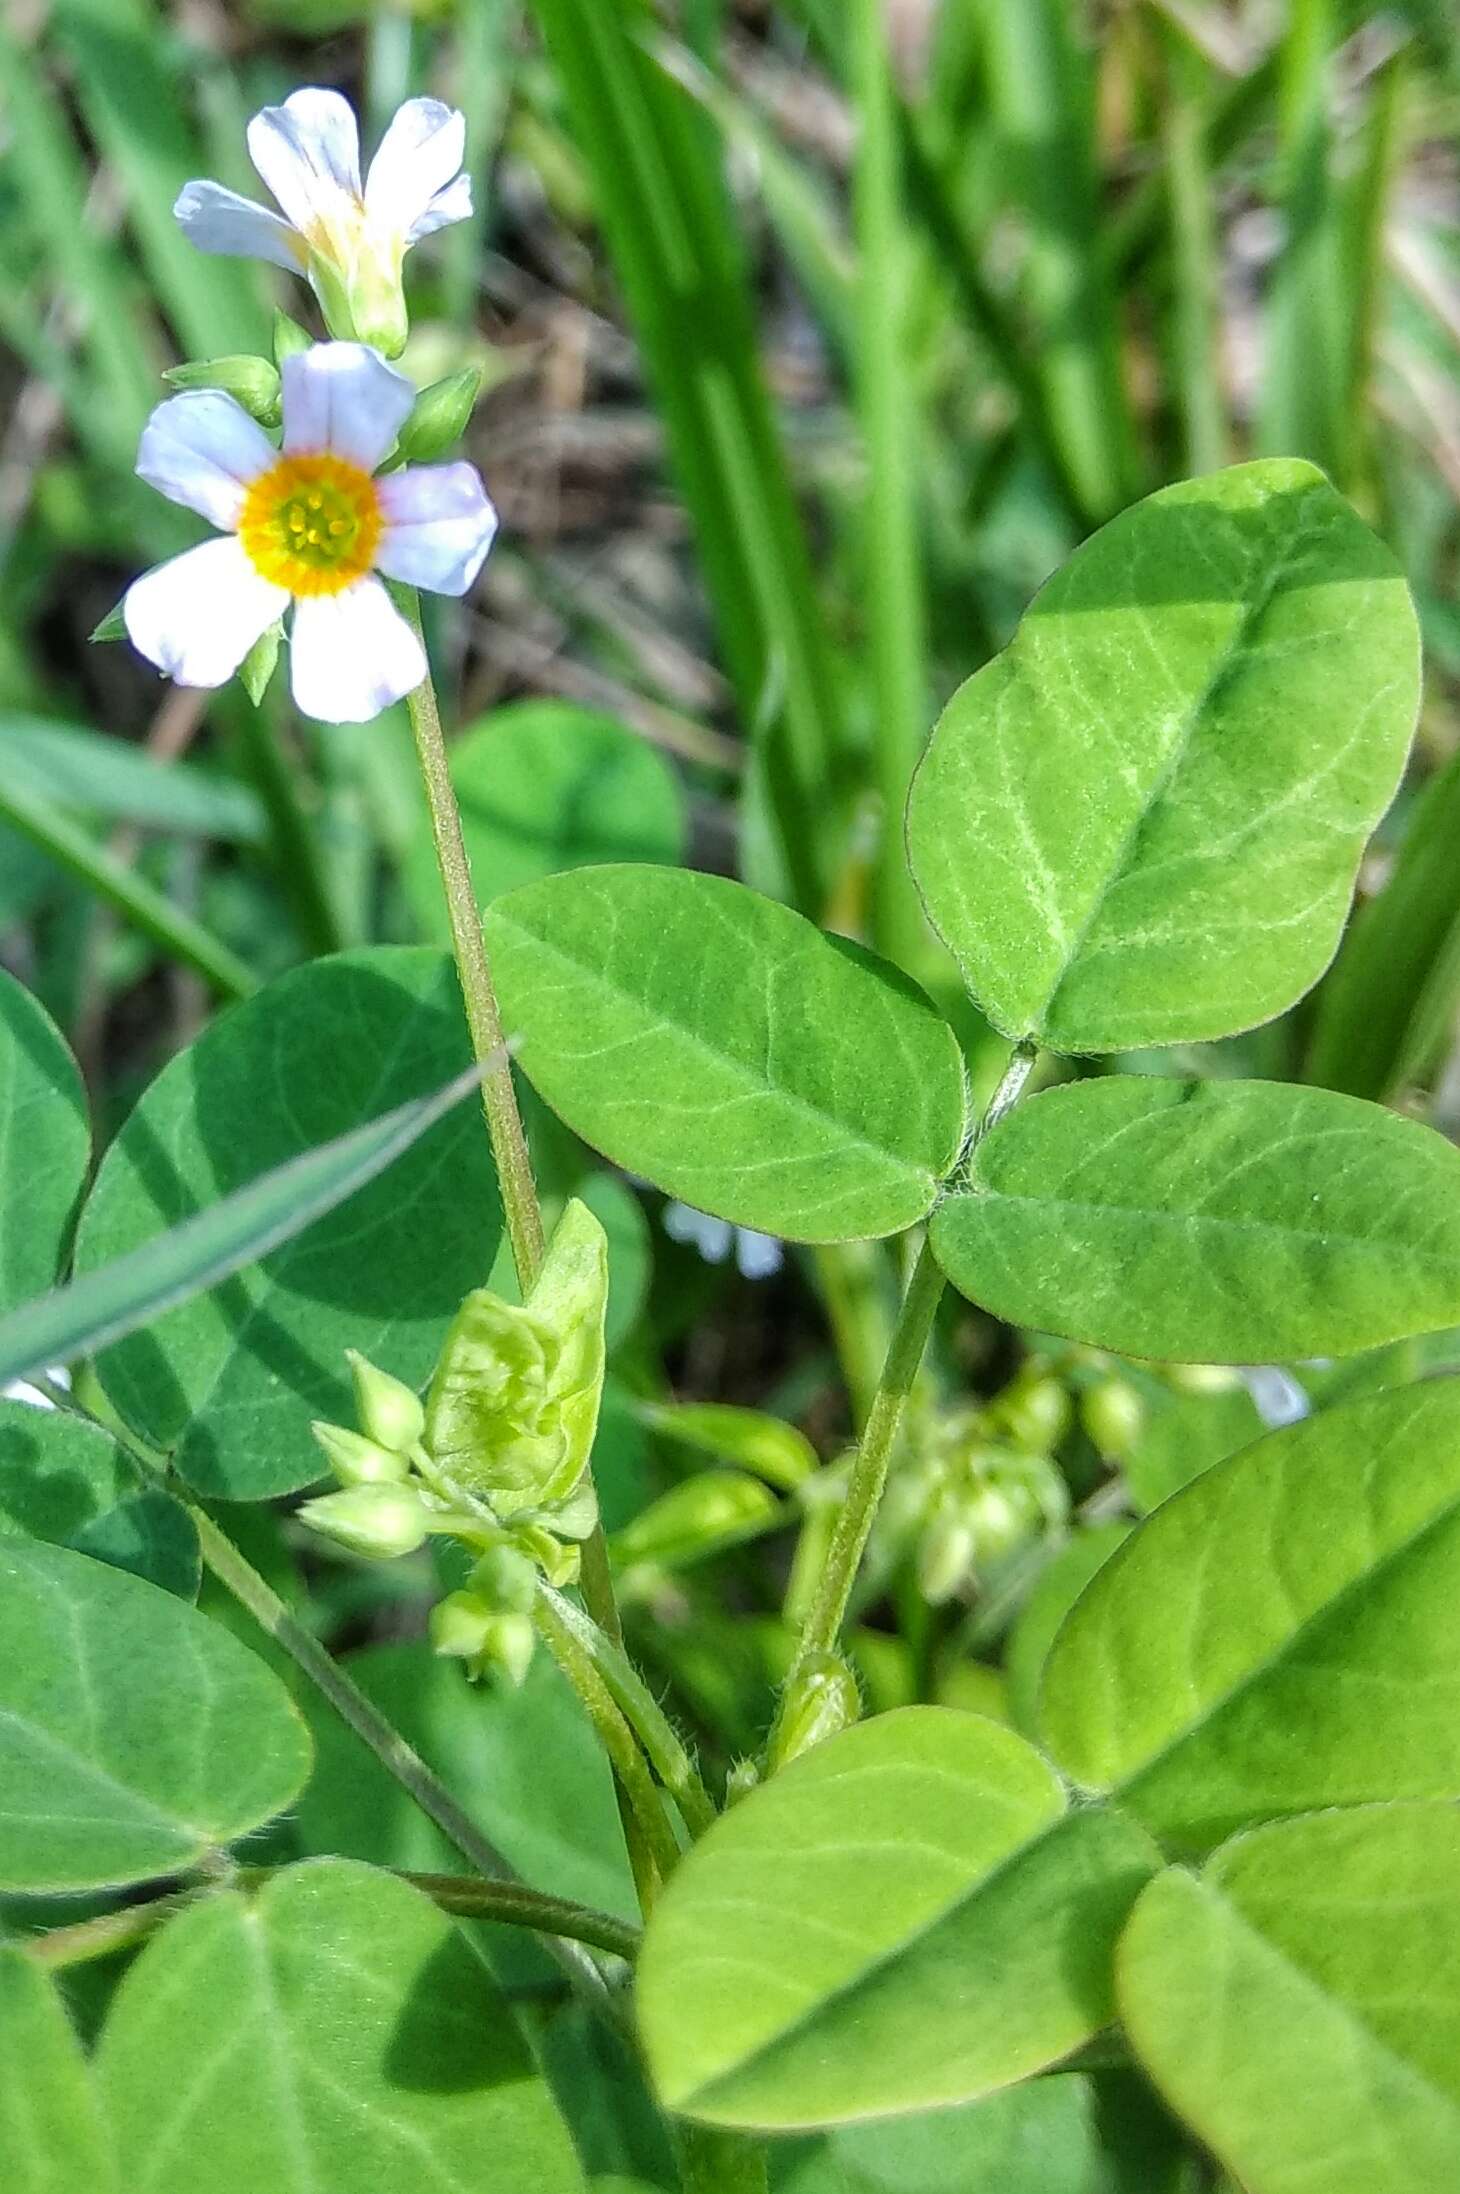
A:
312,523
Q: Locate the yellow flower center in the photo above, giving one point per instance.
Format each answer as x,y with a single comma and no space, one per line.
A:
312,523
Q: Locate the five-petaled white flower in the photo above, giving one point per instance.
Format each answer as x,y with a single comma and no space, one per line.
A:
349,238
307,522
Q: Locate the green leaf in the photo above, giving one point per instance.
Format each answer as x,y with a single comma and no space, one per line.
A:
545,786
905,1917
67,1482
767,1445
1054,1593
52,2138
1183,1437
702,1517
1047,2137
1299,2003
1280,1635
1142,822
332,2035
718,1044
45,1142
230,1380
104,1305
1209,1222
135,1734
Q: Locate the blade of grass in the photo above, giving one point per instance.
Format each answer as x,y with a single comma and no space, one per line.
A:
486,36
1387,1006
119,783
136,103
123,888
891,550
1304,367
116,1299
1043,108
1369,198
661,199
1195,265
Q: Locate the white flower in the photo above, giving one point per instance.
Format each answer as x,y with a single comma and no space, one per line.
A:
757,1256
349,238
306,523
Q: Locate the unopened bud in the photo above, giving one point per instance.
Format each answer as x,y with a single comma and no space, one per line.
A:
1203,1378
821,1699
251,382
460,1626
719,1508
1114,1415
379,1520
946,1553
743,1777
1000,1518
505,1581
357,1461
441,416
389,1412
1034,1414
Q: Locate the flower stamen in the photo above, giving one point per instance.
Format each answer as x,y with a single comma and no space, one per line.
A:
312,523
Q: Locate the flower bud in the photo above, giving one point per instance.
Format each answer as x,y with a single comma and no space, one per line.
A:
1203,1378
505,1580
820,1699
508,1650
251,382
743,1777
1034,1414
388,1410
379,1520
460,1626
1114,1415
946,1554
357,1461
441,416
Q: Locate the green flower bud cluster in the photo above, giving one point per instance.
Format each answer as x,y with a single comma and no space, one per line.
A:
496,1457
977,1499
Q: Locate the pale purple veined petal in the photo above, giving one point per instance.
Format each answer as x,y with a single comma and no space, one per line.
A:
352,654
451,204
201,449
711,1237
420,155
757,1256
344,397
197,617
439,525
218,220
308,152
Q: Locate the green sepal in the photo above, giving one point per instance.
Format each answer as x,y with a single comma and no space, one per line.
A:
289,338
513,1405
252,382
441,416
112,627
260,663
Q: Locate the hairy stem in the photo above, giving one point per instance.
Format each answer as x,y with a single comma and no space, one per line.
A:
661,1742
510,1904
619,1742
389,1747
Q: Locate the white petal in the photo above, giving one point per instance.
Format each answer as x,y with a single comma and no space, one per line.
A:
308,152
420,154
451,204
438,526
344,397
197,617
201,449
352,654
218,220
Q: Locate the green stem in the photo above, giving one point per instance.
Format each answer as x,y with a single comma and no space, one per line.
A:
499,1099
295,842
618,1741
666,1753
510,1904
873,1458
870,1464
400,1759
125,889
